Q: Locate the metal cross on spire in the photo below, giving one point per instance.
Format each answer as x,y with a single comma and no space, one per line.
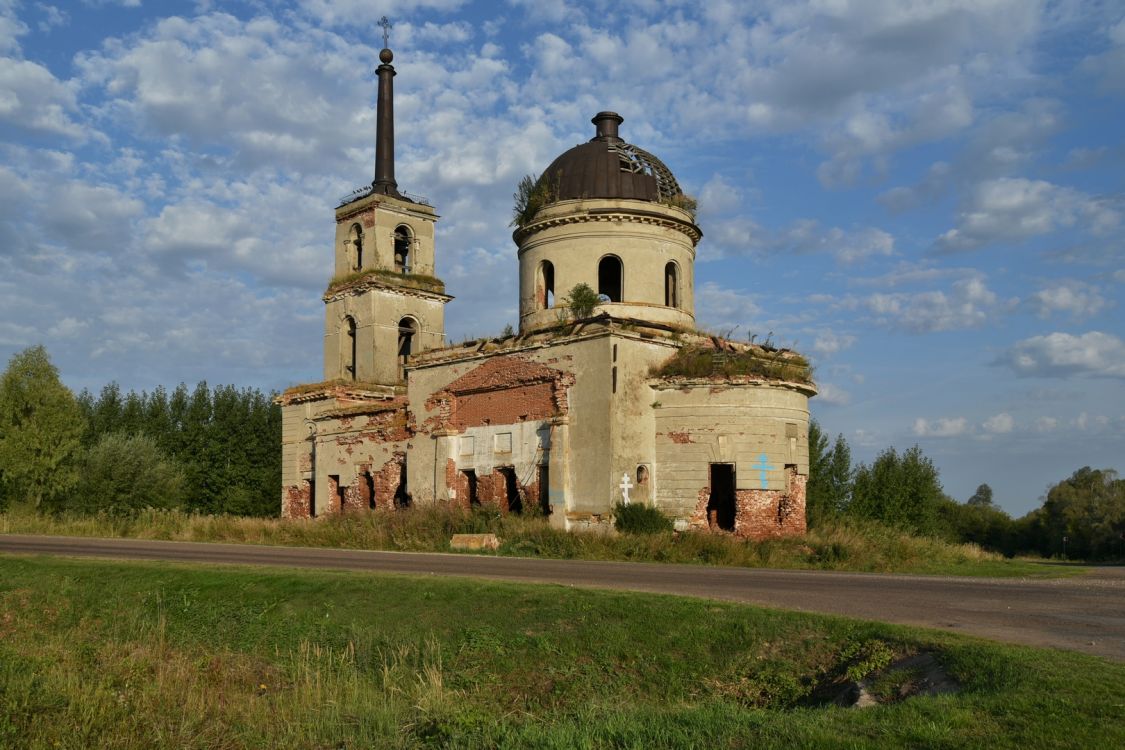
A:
386,24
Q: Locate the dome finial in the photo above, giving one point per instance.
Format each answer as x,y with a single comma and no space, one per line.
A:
606,123
385,121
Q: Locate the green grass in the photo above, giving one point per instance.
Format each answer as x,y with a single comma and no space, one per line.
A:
846,546
114,655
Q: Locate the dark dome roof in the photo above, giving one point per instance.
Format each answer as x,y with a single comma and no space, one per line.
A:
608,167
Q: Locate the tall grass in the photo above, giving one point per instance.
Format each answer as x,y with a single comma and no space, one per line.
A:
839,545
97,654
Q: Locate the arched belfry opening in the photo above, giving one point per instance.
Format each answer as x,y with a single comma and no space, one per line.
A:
609,277
403,240
407,330
348,346
356,240
671,285
545,285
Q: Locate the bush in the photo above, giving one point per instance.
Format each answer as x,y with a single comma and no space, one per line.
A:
582,300
125,474
640,519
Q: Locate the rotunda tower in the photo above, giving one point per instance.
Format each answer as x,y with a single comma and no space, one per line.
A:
610,215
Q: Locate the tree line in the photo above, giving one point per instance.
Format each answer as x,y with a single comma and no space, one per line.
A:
1082,516
210,450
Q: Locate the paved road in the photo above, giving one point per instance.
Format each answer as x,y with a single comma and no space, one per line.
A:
1085,613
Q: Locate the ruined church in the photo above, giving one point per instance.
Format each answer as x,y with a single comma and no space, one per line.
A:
594,401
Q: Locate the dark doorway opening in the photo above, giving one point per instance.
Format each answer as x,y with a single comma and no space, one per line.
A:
720,507
312,498
368,485
545,489
471,483
511,489
609,277
402,497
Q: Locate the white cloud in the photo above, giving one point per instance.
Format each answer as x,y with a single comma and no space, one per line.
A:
1012,209
1046,424
1075,298
999,424
968,304
1063,355
725,309
833,395
32,98
828,342
946,427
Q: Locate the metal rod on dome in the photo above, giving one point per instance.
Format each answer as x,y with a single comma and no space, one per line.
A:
385,120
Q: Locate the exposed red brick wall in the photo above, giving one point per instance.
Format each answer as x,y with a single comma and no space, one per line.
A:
504,406
457,481
761,514
295,500
387,480
503,390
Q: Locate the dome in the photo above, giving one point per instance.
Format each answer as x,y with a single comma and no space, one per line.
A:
608,167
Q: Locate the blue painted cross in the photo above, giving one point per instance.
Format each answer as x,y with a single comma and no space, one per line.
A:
762,468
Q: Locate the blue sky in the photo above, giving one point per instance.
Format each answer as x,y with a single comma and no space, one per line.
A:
925,197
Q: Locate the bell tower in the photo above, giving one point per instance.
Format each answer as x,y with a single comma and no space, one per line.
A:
384,302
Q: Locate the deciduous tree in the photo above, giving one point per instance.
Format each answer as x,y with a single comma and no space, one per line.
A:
41,427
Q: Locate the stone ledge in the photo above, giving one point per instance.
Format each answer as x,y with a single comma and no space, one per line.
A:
474,542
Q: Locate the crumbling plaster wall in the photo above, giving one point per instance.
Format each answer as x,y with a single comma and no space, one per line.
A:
574,235
377,313
700,424
316,447
379,216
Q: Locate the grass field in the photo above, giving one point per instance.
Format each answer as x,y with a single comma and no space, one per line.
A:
116,655
866,547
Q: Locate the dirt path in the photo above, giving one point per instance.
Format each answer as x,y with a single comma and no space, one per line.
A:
1082,613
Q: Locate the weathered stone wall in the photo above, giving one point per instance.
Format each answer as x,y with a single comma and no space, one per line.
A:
760,514
378,216
574,236
759,429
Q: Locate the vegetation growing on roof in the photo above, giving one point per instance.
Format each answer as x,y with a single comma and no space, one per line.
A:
410,280
711,362
531,195
682,200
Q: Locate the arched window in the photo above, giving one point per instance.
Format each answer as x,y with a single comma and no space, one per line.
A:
671,285
407,329
356,239
545,285
609,277
347,346
403,240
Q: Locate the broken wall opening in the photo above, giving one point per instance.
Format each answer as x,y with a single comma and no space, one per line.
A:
721,504
544,489
511,489
402,496
471,487
367,485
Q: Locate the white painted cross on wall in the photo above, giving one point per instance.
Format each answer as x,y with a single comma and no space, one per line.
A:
625,485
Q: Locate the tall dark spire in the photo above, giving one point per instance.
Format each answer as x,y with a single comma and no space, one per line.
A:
385,122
